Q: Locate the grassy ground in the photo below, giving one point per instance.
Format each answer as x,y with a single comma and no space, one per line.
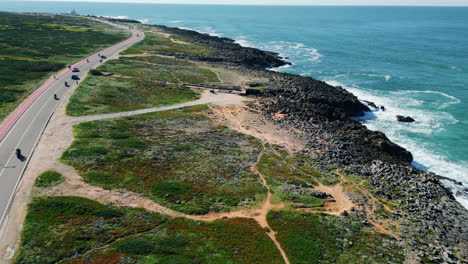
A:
156,43
49,179
292,176
318,238
107,94
34,46
61,227
77,230
179,158
184,241
161,69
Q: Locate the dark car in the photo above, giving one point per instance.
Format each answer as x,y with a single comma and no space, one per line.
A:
75,77
103,57
75,70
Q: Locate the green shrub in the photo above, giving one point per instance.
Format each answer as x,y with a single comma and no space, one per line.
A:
48,179
171,245
170,189
137,246
58,228
104,179
119,135
130,143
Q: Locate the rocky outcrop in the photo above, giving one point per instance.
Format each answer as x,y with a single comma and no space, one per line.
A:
405,119
225,50
314,98
298,190
371,104
123,20
439,227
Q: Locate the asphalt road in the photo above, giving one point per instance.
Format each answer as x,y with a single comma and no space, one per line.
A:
27,129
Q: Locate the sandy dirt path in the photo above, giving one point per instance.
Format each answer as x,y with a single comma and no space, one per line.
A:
261,218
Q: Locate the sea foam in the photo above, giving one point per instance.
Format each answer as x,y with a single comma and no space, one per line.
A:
144,20
292,50
117,17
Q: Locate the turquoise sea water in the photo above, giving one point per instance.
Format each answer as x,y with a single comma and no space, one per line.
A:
412,60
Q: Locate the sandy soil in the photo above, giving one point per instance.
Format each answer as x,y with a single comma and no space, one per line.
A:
342,202
254,124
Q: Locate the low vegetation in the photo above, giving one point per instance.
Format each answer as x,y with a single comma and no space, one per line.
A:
179,158
108,94
319,238
156,43
34,46
49,178
79,230
74,225
160,69
151,81
293,176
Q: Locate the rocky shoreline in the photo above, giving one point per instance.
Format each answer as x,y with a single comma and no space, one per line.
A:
435,228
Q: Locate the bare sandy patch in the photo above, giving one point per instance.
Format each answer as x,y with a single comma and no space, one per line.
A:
341,200
254,124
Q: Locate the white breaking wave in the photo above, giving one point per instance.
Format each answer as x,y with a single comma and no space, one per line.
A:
117,17
144,20
453,99
244,42
210,31
427,122
294,51
386,77
175,21
455,68
206,30
277,69
459,192
297,51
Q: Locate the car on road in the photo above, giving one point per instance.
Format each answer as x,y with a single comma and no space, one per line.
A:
103,57
75,70
75,77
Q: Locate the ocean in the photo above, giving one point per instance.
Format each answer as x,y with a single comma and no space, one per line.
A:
412,60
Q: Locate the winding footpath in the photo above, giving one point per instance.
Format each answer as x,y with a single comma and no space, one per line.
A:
23,128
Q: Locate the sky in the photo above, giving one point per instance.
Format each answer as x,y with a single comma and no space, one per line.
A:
296,2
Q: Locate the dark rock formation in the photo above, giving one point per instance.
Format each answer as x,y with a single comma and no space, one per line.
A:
224,50
123,20
371,104
405,119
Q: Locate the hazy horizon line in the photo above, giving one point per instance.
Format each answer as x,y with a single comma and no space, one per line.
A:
256,4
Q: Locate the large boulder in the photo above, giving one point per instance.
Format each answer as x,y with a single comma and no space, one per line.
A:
405,119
